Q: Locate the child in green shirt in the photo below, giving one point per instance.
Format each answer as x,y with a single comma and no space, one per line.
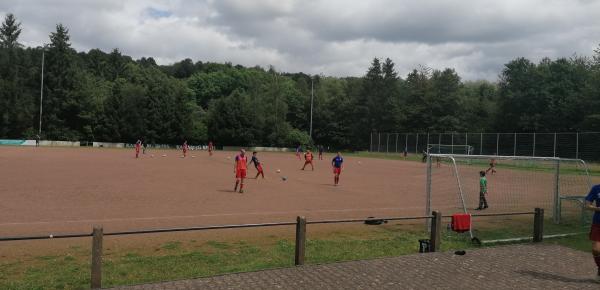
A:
482,191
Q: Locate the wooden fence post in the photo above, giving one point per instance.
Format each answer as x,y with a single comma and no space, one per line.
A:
436,230
538,225
300,240
97,235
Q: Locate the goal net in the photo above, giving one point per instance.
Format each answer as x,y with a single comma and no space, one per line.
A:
449,149
514,184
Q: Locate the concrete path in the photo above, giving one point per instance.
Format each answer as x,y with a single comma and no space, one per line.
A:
507,267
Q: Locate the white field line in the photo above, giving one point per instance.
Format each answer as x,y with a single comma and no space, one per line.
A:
203,215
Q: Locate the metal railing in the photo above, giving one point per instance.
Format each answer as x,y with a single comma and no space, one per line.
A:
98,234
578,145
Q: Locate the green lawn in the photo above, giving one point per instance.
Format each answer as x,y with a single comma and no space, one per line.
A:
191,259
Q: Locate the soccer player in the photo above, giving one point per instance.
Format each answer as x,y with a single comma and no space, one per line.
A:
144,146
239,168
210,148
185,148
321,149
257,165
492,166
308,159
298,150
591,198
482,191
138,145
337,163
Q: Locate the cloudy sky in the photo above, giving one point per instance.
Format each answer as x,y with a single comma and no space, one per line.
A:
332,37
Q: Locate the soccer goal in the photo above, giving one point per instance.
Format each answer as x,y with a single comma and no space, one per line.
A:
449,149
514,184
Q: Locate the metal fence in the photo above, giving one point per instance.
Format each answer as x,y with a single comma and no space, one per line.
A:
579,145
434,221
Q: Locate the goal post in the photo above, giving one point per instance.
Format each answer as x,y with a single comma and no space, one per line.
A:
516,183
450,149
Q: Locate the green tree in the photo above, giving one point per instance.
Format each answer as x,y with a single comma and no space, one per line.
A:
10,31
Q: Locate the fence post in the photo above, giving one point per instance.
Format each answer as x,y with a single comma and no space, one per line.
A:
480,143
497,143
406,143
428,190
577,145
436,230
554,145
452,143
378,142
97,236
387,143
515,146
538,225
371,144
467,143
427,145
300,240
397,142
439,142
556,212
533,145
417,145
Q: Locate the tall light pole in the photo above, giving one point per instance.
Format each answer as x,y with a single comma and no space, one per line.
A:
312,96
41,93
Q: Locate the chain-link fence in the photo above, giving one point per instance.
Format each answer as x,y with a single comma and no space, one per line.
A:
580,145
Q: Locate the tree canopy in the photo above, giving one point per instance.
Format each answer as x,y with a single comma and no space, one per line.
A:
108,96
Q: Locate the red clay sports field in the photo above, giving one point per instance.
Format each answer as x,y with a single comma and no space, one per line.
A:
64,190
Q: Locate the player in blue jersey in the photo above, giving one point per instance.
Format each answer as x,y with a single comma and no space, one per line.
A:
337,163
593,204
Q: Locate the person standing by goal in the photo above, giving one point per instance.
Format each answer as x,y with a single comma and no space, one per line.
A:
482,191
592,202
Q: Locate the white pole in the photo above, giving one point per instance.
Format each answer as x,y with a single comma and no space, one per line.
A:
554,155
515,146
41,95
533,144
312,95
577,146
480,143
417,145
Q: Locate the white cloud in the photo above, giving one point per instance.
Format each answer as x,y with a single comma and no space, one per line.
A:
333,37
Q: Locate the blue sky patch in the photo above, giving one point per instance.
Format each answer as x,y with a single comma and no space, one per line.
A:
157,13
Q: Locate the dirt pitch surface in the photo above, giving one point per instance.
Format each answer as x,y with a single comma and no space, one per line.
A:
68,190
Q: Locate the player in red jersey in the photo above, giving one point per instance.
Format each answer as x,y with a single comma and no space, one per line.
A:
185,148
308,159
210,148
239,168
138,146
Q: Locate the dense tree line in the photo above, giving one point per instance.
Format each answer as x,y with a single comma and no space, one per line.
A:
108,96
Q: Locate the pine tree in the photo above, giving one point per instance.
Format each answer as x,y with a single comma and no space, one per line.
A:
10,31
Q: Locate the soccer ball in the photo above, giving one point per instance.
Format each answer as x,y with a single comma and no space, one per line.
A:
228,157
283,178
278,171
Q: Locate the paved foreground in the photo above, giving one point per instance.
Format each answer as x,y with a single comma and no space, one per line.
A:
507,267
